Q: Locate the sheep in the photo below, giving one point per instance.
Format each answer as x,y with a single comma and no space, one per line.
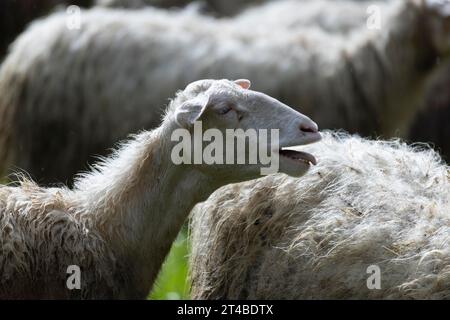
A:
118,222
367,204
361,80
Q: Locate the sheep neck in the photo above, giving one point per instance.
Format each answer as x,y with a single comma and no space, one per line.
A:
142,201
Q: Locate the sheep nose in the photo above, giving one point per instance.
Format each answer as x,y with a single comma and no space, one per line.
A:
309,126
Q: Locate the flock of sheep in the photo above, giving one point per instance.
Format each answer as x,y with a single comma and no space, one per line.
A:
66,96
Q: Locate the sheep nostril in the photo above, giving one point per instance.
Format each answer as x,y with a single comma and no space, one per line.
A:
308,128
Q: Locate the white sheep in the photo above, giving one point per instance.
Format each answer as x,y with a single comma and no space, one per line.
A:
118,222
77,83
371,221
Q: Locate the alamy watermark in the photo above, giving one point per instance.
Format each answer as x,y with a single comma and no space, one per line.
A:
374,20
74,279
241,147
374,280
73,18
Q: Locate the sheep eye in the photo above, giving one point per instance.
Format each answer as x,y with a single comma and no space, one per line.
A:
225,110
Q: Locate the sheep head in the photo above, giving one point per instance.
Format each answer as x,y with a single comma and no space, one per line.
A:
253,127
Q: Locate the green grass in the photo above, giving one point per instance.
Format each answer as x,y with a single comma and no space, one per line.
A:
172,282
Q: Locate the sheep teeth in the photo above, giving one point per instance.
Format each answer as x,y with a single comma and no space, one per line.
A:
298,155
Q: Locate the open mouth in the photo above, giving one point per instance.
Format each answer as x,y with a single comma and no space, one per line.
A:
298,156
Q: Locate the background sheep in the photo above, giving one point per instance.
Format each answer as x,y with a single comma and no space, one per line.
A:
119,221
365,203
361,81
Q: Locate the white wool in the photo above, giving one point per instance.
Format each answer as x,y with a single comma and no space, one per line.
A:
365,203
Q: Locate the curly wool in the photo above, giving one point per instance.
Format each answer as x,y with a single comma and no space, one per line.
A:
366,203
41,235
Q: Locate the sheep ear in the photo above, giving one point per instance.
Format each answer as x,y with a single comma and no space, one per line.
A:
191,111
244,83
